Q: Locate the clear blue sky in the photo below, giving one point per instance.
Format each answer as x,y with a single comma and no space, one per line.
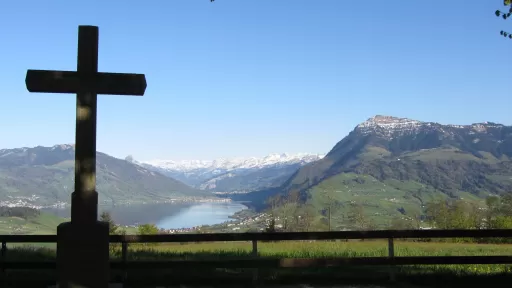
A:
252,77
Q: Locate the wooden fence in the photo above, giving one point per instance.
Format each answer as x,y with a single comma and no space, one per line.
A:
255,262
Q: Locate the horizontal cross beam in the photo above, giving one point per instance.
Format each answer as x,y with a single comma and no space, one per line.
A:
47,81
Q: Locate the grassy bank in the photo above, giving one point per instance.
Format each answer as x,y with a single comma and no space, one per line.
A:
44,223
325,249
419,275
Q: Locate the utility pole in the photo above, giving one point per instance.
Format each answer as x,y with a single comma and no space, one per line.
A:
330,217
329,207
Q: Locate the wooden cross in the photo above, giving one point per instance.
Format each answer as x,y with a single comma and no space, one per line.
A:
87,83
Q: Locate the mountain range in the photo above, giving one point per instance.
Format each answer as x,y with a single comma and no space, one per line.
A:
44,176
393,166
390,166
235,174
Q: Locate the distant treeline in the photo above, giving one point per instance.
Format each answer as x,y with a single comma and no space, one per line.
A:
460,214
295,215
22,212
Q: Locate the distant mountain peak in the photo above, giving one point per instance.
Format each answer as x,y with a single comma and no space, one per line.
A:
446,158
63,146
240,174
235,163
389,124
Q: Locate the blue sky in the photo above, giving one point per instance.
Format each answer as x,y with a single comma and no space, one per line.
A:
248,78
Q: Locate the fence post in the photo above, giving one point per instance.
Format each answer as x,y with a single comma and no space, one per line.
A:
391,256
254,254
124,256
4,255
254,248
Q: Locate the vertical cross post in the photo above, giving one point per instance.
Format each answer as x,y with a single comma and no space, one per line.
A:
83,243
84,200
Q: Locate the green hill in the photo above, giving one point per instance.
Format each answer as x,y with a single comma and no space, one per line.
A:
23,220
394,166
43,176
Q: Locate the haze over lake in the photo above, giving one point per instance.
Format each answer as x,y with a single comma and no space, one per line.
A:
167,215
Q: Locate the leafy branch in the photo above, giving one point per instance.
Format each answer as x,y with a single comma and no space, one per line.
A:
505,16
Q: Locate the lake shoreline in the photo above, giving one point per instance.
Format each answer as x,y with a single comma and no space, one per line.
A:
29,202
166,215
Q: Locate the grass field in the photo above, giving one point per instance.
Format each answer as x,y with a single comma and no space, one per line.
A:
325,249
303,249
45,223
347,188
418,275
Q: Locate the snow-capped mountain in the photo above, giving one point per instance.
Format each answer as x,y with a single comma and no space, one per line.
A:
428,159
235,163
233,174
389,127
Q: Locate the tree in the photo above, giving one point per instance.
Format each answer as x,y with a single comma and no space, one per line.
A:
456,214
306,218
505,15
464,215
273,203
493,204
271,226
112,226
416,221
289,211
113,229
506,205
400,224
358,219
503,222
21,212
499,212
292,213
437,214
147,229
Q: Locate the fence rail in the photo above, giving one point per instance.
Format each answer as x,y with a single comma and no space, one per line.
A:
255,262
279,236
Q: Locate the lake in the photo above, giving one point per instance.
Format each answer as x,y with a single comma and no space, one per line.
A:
167,215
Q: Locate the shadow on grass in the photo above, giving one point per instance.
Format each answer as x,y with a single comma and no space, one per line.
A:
405,276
